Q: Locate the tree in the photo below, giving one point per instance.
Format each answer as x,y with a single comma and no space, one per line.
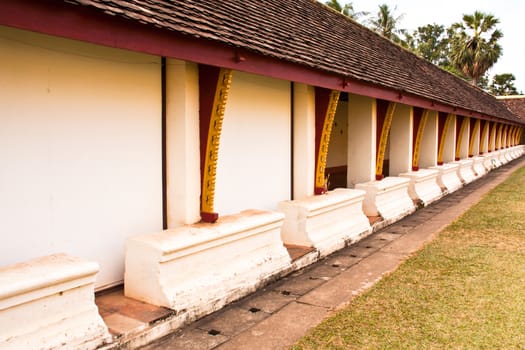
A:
503,85
386,24
430,42
346,9
474,45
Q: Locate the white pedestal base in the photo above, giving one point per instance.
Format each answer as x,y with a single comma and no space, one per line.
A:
465,171
508,155
326,222
387,198
49,303
502,156
488,162
448,178
423,185
495,159
199,268
478,166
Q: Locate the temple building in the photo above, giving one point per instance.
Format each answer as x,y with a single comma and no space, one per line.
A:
194,151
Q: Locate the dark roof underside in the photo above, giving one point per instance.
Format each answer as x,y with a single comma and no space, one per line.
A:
307,33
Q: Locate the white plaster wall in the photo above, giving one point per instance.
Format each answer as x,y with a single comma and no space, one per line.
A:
337,150
429,143
80,150
449,149
361,139
401,140
304,140
254,167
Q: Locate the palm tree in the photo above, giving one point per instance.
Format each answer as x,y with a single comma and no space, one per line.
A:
474,45
346,9
386,24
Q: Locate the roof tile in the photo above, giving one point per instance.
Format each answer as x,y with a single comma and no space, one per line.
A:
308,33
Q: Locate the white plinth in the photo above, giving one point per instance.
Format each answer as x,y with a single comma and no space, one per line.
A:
466,171
495,159
387,198
488,162
49,303
327,222
508,155
423,185
521,150
478,165
502,153
448,178
199,268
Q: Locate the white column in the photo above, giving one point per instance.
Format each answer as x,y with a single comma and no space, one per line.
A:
182,143
303,140
361,139
429,143
401,140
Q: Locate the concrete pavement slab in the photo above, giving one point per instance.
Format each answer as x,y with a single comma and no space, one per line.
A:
353,281
188,339
269,301
232,320
280,330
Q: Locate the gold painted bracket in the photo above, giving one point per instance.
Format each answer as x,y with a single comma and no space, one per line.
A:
385,132
492,137
320,182
464,123
473,138
499,137
448,121
212,146
504,136
419,138
483,137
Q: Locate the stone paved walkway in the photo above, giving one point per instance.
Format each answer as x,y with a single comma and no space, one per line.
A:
275,317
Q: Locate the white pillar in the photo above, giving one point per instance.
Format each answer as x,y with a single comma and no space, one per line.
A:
401,140
182,143
429,143
361,139
303,140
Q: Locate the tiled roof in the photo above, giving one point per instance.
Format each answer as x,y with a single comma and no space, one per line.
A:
307,33
516,104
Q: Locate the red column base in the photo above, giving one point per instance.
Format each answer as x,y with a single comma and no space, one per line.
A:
209,217
319,190
380,177
457,158
415,168
439,163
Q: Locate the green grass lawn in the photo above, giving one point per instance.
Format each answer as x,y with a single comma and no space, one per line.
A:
464,290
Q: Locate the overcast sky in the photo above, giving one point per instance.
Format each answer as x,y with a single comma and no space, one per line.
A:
511,14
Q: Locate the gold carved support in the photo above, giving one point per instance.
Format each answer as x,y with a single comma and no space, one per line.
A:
320,181
212,147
